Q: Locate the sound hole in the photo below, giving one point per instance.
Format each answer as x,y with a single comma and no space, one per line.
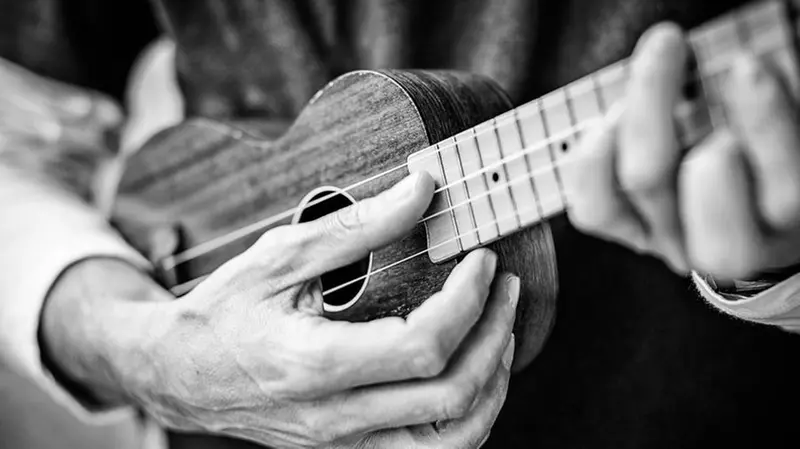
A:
346,296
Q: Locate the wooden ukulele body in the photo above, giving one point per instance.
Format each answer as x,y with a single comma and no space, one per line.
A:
209,178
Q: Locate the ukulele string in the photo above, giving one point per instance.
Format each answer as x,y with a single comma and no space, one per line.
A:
425,251
184,287
540,204
515,215
170,262
528,176
192,253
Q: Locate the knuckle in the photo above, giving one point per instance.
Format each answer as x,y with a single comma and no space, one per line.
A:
322,358
722,261
321,430
285,241
649,170
460,399
428,357
592,218
761,116
346,221
587,220
762,95
783,206
279,237
765,85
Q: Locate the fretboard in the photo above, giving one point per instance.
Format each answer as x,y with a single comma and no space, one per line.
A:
505,174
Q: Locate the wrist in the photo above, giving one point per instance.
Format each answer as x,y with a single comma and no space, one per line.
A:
99,331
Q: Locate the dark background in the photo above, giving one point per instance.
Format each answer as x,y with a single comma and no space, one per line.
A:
636,358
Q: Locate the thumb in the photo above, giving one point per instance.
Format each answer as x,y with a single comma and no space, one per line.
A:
345,236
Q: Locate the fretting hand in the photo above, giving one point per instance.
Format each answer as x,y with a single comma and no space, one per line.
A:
247,353
730,206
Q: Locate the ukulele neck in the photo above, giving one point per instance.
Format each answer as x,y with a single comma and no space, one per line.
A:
505,174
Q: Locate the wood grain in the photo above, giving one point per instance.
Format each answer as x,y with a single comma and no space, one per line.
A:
209,178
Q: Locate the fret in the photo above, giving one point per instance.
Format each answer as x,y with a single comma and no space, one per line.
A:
441,232
712,41
473,222
742,26
778,41
477,186
527,148
598,94
761,29
585,102
768,29
785,61
523,182
556,119
513,151
558,122
762,17
571,116
446,193
538,154
509,185
714,90
459,198
715,42
497,179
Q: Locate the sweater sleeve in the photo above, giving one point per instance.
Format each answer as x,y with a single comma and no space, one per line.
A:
43,230
779,305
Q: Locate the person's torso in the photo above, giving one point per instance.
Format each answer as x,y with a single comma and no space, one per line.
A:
636,358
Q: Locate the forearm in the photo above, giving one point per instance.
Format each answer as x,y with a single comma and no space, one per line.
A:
100,328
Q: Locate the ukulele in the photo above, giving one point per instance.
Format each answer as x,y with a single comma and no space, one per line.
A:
498,171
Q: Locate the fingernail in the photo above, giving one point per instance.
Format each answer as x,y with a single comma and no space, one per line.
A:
490,261
513,290
508,355
484,440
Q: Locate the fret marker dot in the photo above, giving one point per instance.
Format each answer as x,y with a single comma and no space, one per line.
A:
564,146
495,177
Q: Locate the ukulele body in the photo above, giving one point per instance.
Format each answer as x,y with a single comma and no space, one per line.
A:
206,179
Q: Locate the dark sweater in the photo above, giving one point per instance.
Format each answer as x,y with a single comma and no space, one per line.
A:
636,359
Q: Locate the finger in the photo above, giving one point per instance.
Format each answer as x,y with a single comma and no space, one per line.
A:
449,396
99,130
48,112
69,103
345,236
393,349
473,430
596,204
468,432
765,115
649,151
722,235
